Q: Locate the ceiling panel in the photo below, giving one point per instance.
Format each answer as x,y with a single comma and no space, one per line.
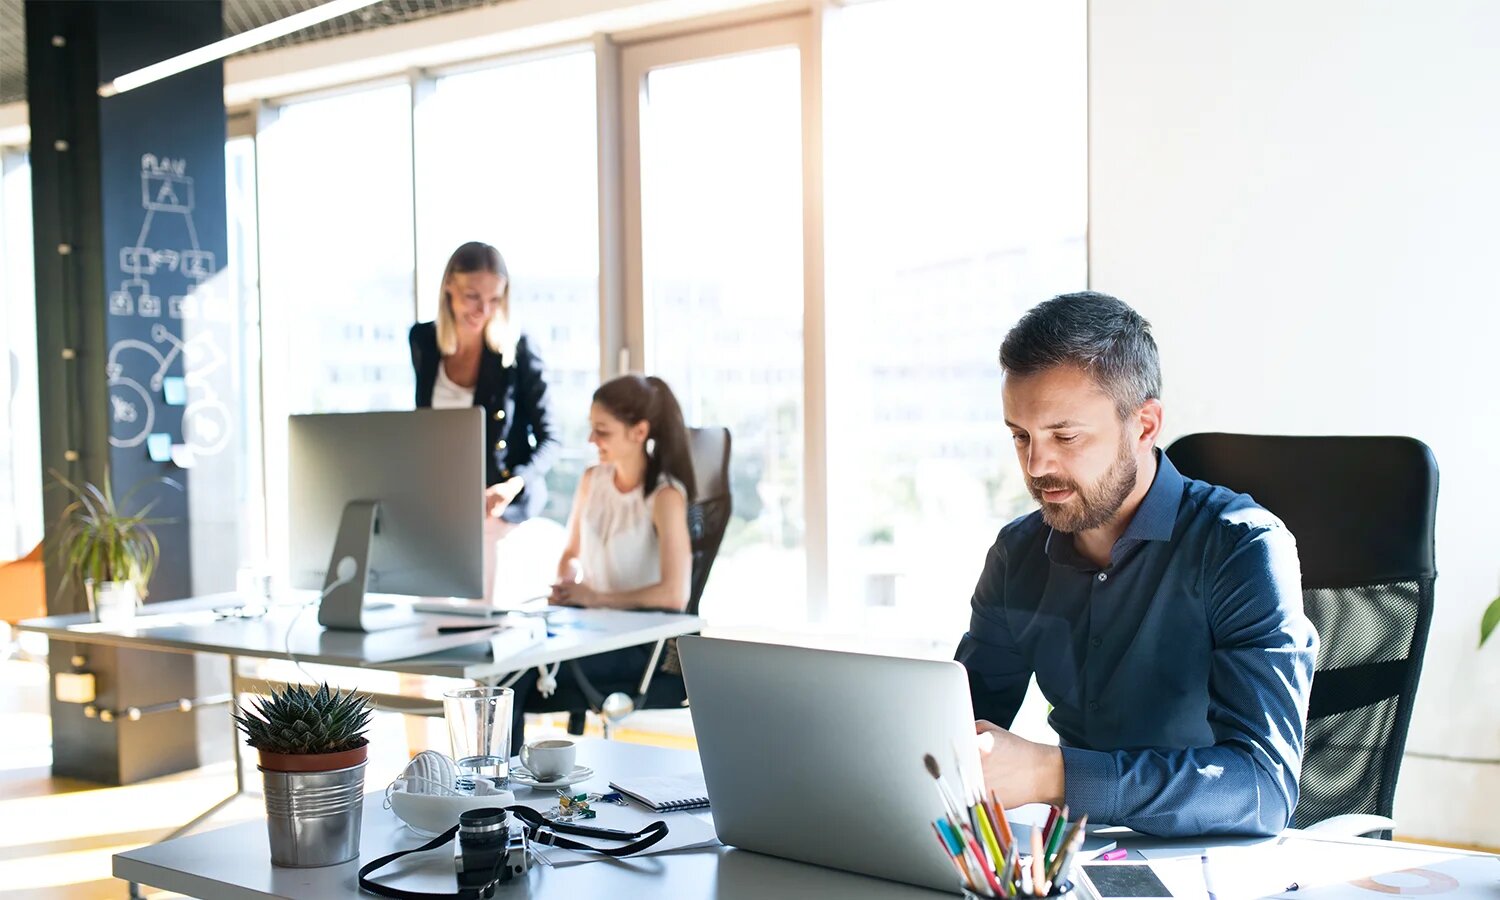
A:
239,16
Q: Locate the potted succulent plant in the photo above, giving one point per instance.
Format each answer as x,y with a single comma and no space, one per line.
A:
112,552
312,761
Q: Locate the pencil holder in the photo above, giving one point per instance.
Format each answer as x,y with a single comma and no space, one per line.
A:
1063,887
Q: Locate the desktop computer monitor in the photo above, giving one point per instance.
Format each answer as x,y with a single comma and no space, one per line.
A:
389,503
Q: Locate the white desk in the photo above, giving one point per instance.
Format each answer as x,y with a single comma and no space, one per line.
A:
234,863
191,626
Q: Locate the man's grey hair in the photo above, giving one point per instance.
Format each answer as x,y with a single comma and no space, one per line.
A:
1095,332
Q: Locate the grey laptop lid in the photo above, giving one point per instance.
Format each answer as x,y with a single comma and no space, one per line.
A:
816,755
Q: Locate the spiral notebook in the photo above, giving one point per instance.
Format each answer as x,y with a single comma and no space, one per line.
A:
665,793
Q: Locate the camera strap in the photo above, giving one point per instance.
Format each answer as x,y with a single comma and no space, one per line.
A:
539,830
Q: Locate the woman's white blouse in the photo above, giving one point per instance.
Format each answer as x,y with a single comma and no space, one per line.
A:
618,546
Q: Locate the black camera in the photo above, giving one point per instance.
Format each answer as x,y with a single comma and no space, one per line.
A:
490,850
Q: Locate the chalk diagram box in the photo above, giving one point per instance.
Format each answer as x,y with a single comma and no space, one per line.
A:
165,192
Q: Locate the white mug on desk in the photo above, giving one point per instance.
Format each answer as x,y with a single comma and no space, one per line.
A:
550,759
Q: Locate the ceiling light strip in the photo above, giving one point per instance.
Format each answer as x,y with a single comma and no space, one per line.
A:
243,41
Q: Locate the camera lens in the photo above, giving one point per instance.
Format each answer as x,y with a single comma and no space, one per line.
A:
479,857
484,824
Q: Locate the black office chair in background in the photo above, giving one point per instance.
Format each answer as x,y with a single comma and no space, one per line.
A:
1363,510
660,685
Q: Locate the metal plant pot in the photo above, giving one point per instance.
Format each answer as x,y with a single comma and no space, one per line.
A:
313,815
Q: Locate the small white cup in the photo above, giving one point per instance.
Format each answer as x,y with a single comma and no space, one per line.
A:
550,759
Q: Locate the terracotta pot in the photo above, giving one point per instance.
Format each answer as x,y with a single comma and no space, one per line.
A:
313,762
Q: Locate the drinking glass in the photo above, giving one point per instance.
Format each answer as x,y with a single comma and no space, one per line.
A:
479,728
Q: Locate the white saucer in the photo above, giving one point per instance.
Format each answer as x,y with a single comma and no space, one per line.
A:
519,775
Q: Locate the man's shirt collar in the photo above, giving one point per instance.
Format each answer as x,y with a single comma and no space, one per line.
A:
1154,520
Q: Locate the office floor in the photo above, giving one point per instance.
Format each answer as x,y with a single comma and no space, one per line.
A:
57,835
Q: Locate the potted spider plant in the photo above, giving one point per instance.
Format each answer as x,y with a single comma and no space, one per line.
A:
312,762
114,553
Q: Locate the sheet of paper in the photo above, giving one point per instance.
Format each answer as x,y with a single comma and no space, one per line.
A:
1321,870
1457,876
684,829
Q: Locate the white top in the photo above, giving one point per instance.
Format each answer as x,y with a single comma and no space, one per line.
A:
618,547
448,395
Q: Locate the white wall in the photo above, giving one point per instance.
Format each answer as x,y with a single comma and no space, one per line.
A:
1304,199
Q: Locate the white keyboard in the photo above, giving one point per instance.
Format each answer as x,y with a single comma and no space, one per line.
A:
455,607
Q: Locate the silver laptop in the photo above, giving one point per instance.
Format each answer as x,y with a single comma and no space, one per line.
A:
816,755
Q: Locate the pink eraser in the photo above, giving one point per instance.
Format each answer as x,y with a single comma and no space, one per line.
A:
1111,856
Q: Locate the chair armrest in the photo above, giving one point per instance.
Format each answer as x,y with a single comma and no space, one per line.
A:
1352,825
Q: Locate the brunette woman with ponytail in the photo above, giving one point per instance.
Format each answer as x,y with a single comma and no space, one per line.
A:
628,542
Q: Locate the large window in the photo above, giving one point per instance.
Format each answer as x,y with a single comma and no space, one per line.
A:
956,199
20,424
507,156
337,298
721,257
845,329
336,252
221,423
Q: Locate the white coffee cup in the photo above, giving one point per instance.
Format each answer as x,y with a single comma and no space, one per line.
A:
549,759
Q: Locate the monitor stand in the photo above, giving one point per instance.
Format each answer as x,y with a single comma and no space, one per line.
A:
344,605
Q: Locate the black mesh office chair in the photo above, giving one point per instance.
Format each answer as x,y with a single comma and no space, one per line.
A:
661,685
1363,512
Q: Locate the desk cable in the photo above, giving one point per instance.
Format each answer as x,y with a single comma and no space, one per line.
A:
343,574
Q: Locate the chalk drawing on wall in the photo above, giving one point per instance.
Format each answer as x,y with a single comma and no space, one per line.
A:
136,366
205,418
165,188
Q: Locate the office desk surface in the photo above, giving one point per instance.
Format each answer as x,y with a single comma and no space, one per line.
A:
191,625
234,863
571,633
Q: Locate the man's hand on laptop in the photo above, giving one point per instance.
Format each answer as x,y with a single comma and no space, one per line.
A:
1018,770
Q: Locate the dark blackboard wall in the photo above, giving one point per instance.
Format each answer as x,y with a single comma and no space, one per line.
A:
165,241
88,155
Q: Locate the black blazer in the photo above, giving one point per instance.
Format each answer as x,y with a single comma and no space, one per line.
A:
517,422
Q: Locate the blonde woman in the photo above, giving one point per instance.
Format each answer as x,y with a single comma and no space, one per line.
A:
473,355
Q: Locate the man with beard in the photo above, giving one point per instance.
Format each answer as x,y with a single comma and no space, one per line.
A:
1161,616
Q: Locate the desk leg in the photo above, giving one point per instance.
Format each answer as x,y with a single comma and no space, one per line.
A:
239,772
239,763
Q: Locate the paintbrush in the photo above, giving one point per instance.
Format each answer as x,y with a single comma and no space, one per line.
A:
954,810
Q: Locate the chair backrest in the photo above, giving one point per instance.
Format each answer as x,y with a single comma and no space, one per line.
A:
1363,510
709,514
23,588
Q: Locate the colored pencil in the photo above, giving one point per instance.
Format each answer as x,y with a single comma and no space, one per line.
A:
999,810
948,852
1074,838
1054,840
992,846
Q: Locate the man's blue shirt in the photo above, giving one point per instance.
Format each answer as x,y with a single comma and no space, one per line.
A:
1178,675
